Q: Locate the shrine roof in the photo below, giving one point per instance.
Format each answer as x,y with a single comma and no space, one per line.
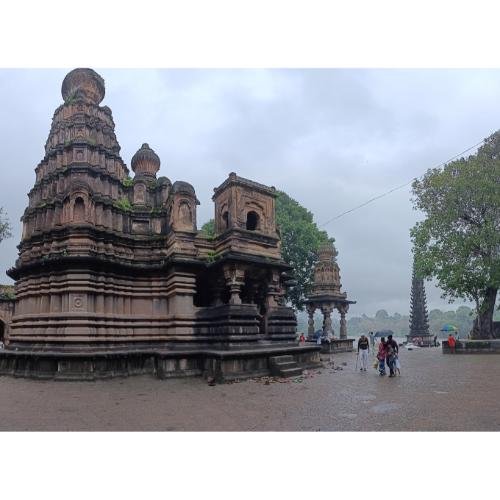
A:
234,179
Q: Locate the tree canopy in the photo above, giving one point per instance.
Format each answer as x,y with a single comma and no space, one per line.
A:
208,229
5,227
458,242
300,240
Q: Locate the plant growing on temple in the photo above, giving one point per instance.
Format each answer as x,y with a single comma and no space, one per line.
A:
128,182
458,242
123,204
5,227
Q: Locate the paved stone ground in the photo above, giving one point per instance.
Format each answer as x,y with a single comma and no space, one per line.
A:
434,393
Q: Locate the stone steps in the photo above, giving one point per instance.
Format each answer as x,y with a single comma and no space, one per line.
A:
284,366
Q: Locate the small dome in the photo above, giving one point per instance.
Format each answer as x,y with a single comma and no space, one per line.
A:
145,161
327,252
183,187
164,181
83,83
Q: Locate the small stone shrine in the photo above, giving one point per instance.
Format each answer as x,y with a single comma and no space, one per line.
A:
114,278
326,296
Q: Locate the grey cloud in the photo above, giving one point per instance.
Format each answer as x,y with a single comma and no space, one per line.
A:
329,138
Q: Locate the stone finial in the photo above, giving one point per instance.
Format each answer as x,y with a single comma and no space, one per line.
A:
145,162
327,252
83,83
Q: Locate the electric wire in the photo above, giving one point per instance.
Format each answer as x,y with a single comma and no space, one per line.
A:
401,186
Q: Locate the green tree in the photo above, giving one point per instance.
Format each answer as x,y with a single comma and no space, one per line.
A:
458,242
300,240
208,229
5,227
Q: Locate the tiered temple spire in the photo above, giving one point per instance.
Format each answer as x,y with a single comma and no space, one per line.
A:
419,321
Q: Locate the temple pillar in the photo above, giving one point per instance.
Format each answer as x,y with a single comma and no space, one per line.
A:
310,323
235,279
273,290
327,321
343,308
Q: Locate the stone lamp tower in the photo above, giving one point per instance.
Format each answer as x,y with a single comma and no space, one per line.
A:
419,321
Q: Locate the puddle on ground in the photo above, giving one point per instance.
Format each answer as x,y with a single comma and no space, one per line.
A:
385,407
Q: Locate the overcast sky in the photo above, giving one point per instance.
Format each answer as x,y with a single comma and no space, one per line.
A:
331,139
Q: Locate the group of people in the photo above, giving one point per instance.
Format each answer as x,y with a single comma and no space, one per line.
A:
387,354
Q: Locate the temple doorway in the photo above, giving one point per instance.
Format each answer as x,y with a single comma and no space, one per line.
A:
2,332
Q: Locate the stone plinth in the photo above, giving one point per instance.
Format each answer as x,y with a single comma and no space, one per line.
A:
421,340
335,345
222,365
473,347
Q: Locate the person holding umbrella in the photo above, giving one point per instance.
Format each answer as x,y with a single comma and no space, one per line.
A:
451,343
451,329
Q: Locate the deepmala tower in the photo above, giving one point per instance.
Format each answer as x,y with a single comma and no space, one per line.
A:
113,277
419,320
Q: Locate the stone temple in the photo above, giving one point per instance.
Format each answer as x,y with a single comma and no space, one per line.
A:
113,277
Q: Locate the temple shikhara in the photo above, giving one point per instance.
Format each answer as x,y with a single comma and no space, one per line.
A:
114,278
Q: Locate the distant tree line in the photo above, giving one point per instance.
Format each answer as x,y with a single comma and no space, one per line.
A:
462,318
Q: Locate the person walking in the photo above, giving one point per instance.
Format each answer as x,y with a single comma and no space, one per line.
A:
319,335
363,350
372,340
381,357
451,343
392,350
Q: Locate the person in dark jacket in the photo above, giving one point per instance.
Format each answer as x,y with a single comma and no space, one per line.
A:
363,350
392,350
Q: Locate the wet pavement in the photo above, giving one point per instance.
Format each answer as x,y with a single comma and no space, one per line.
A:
435,392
